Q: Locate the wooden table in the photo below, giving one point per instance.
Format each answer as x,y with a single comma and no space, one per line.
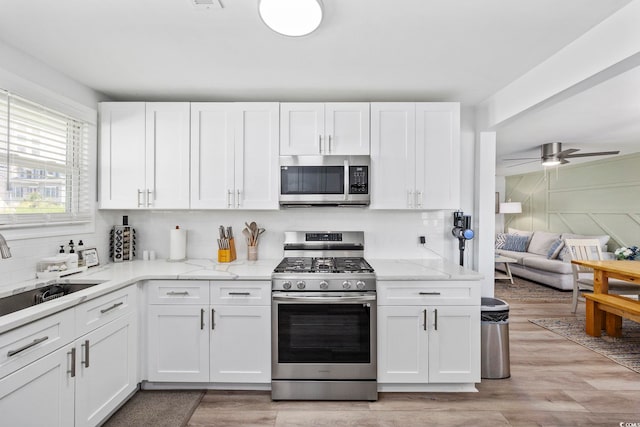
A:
610,312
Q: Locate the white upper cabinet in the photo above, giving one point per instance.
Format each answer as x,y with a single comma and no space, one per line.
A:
308,129
415,155
234,155
144,155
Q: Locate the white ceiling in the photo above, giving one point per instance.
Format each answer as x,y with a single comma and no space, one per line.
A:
365,50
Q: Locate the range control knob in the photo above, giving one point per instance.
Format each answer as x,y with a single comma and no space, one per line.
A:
346,284
360,284
301,284
324,285
286,285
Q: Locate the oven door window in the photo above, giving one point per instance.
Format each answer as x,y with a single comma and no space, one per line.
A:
321,333
312,179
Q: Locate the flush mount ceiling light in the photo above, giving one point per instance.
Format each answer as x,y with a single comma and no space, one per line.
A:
293,18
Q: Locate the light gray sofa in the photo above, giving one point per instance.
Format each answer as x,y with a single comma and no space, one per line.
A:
535,264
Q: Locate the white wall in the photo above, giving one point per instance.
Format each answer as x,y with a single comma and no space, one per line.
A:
26,76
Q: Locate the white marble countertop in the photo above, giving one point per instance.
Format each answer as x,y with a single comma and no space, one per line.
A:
421,269
118,275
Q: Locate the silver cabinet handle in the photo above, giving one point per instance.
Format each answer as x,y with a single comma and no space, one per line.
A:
424,318
435,320
320,144
85,362
116,305
238,199
26,346
229,193
418,199
139,202
72,371
178,293
410,198
202,319
329,144
429,293
213,322
240,293
149,197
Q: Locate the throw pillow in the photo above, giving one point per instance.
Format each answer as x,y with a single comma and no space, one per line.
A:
555,249
515,243
500,239
541,241
517,232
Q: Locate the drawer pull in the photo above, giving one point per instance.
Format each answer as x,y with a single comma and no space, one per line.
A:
72,371
27,346
240,293
429,293
85,362
178,293
116,305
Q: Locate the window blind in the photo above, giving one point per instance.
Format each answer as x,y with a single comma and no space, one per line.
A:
44,165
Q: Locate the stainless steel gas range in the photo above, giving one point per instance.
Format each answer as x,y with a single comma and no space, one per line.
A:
324,319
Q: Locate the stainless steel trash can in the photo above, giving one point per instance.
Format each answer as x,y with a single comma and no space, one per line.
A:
494,316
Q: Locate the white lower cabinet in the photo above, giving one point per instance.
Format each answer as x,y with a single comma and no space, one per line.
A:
106,369
40,394
222,339
82,381
241,344
428,343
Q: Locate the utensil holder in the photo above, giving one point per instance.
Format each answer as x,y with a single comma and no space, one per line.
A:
252,253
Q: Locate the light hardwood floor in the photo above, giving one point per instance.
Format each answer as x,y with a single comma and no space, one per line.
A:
554,382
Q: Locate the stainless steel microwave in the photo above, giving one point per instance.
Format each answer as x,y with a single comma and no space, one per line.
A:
324,180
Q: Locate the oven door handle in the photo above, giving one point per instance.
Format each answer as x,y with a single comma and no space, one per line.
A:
322,299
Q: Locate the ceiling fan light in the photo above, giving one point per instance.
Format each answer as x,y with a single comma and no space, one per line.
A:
292,18
551,162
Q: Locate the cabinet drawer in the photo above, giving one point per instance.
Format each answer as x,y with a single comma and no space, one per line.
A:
427,293
241,293
27,343
100,311
178,292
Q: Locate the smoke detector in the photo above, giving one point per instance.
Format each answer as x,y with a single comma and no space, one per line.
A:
207,4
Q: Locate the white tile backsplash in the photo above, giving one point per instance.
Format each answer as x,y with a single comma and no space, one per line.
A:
388,234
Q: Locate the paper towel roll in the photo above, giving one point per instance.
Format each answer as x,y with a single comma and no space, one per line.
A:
177,244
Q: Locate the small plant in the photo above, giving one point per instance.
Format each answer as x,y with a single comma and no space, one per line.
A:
629,253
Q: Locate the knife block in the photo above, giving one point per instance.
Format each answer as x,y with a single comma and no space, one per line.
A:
227,255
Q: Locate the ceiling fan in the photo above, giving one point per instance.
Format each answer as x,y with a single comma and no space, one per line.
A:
551,154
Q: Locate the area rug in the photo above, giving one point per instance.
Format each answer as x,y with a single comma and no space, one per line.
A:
166,408
624,350
526,291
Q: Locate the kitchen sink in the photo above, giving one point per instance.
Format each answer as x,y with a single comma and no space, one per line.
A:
50,291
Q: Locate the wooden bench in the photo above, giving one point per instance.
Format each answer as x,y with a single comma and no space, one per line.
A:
609,309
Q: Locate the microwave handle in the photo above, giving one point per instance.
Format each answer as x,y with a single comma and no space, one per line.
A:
346,179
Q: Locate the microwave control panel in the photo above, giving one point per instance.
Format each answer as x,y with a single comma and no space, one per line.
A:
358,179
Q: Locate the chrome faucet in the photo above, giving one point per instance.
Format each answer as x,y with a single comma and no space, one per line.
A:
4,248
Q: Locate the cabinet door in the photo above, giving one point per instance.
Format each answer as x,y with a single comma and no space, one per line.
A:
40,394
167,155
122,153
347,128
454,344
402,345
302,129
212,155
241,344
392,155
178,343
107,361
438,155
256,155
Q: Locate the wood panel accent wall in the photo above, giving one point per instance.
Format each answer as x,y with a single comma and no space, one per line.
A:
599,197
